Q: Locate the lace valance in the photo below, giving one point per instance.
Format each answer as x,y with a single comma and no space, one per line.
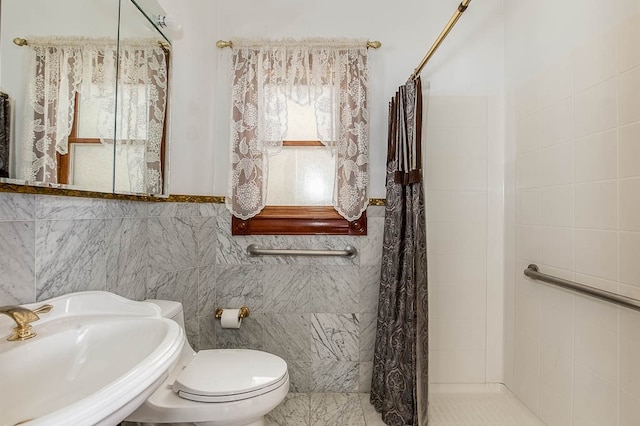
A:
332,76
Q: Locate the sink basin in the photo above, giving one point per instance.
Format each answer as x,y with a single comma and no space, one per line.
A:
95,359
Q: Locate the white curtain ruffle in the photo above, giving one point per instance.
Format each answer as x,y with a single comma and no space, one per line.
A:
60,67
329,74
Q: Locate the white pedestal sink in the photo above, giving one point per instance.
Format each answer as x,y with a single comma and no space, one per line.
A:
95,359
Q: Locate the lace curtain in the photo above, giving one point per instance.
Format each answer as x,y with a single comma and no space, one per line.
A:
61,67
330,75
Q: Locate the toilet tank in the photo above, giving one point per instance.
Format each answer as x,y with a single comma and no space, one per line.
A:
170,309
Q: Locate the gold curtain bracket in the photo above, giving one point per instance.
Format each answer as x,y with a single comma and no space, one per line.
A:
20,41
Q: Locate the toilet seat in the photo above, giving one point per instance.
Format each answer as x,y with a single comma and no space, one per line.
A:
225,375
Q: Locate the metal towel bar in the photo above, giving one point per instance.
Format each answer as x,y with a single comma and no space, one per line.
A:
254,250
532,271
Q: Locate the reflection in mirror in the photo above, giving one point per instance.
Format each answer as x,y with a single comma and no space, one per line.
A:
86,110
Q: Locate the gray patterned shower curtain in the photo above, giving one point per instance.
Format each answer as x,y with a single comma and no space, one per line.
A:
5,134
399,388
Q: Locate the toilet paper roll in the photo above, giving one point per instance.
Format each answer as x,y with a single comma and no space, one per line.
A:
230,318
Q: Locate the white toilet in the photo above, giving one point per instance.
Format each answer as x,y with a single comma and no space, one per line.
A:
217,387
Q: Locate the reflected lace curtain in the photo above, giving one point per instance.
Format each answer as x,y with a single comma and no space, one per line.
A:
141,112
331,75
61,67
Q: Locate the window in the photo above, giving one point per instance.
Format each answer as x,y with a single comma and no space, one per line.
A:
299,138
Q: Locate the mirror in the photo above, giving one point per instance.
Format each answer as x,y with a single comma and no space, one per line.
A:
84,101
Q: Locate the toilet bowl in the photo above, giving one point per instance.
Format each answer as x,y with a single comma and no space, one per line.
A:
216,387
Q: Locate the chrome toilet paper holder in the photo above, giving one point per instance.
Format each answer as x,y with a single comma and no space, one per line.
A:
244,312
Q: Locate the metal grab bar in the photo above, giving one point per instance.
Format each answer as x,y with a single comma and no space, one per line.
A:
532,272
253,250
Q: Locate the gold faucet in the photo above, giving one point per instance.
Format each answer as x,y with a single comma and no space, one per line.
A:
23,316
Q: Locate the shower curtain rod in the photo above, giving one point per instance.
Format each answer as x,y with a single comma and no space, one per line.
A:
456,15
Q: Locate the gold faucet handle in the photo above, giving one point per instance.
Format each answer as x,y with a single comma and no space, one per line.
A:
22,317
43,309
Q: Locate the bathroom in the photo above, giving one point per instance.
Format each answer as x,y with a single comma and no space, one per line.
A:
532,156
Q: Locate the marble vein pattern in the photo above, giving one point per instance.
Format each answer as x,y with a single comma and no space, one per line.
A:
206,240
300,379
126,256
336,409
172,243
17,262
334,376
67,208
181,286
287,289
365,374
249,336
288,336
70,257
294,410
17,207
371,245
369,279
333,289
173,209
238,286
367,336
206,291
371,416
232,249
335,337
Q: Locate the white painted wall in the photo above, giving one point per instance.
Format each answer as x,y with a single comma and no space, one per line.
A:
469,64
573,131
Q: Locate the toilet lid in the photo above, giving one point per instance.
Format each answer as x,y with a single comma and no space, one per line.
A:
221,375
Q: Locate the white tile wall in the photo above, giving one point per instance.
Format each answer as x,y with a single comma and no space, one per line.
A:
457,203
577,214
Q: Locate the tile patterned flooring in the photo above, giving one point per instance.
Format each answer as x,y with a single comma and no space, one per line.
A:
495,407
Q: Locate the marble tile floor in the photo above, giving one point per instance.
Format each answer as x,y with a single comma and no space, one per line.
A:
497,407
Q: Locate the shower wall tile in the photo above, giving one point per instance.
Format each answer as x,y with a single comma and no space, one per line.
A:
17,262
629,150
571,355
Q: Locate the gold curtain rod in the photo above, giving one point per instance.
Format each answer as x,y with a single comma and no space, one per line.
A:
221,44
456,15
24,42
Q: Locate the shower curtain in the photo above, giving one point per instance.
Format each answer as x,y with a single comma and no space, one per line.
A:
399,388
5,134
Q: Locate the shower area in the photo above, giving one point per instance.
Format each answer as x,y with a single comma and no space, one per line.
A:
540,177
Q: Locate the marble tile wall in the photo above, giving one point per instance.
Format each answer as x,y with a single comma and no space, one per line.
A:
317,313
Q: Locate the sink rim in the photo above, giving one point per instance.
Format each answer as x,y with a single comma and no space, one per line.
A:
113,401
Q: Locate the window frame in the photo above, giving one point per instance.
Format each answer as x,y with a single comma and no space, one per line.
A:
299,220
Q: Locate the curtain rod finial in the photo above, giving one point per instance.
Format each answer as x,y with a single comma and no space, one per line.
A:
374,44
20,41
221,44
